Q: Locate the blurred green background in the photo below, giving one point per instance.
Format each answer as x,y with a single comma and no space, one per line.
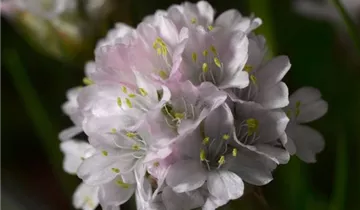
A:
322,55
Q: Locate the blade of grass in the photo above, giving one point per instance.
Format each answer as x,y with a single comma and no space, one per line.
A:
37,113
339,194
350,25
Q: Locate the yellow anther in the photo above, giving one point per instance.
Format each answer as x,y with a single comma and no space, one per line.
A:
132,95
193,20
205,53
113,130
105,153
156,164
298,103
213,49
179,116
158,51
143,92
253,125
194,57
297,108
82,158
205,67
202,155
130,134
253,79
124,89
210,27
248,68
87,81
217,62
135,147
234,152
221,160
122,184
206,141
164,50
163,74
226,136
128,102
115,170
118,101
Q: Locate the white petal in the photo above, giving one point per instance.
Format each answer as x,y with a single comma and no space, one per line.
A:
289,144
111,194
277,154
252,167
182,201
186,175
86,197
313,111
306,95
308,142
225,185
206,11
273,71
274,97
69,133
74,152
239,80
213,203
98,168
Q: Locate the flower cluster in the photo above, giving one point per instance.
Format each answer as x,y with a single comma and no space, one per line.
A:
182,110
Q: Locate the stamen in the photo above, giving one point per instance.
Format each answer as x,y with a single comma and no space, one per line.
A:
122,184
143,92
193,20
105,153
88,81
226,137
248,68
210,27
213,49
205,141
163,74
205,67
135,147
194,57
115,170
179,116
132,95
130,134
89,202
253,125
288,114
124,89
156,164
253,79
118,101
217,62
234,152
221,160
205,53
113,130
202,155
128,102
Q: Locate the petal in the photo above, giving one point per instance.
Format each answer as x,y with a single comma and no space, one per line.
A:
86,197
213,203
182,201
113,194
306,95
69,133
273,71
274,97
225,185
186,175
308,142
238,80
98,169
74,154
276,153
252,167
313,111
289,145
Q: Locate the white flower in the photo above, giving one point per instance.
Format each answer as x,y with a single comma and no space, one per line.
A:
305,106
260,129
265,78
217,56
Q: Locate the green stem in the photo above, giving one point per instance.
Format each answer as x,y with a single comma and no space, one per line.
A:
37,114
350,25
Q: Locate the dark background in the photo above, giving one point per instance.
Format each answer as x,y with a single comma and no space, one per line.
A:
33,87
